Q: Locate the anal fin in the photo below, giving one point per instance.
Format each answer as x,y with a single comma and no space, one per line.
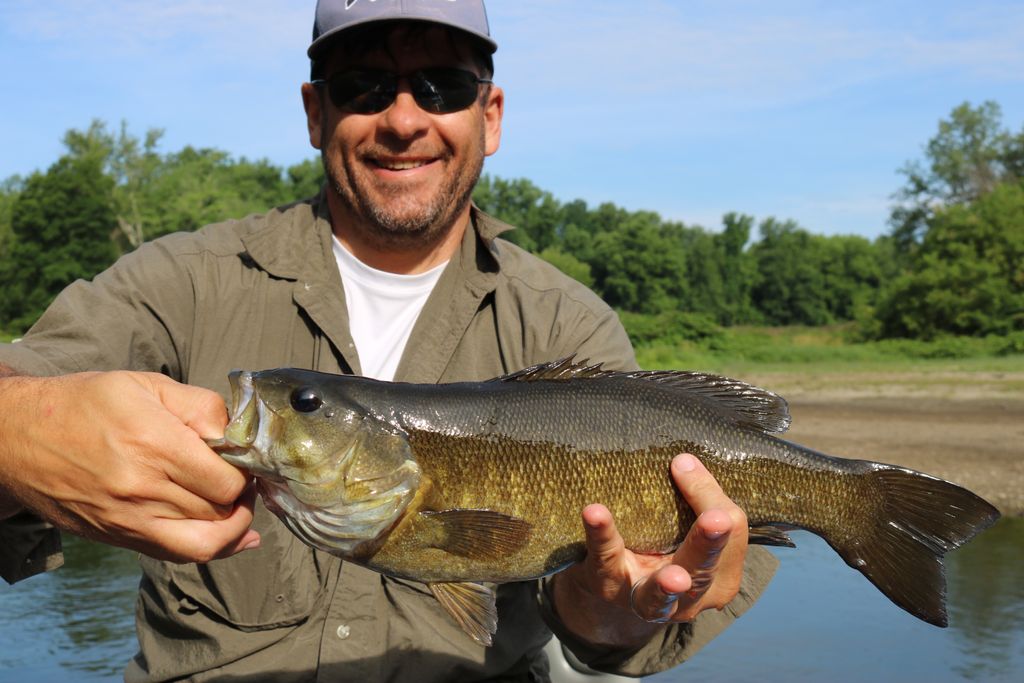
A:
769,535
471,605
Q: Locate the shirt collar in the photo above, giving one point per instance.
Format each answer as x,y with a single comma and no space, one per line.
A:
297,237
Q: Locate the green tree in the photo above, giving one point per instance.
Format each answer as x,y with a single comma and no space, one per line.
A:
9,190
133,167
578,231
738,271
640,266
61,222
969,156
195,187
704,271
854,269
790,284
304,179
535,213
967,277
581,226
568,264
720,271
153,194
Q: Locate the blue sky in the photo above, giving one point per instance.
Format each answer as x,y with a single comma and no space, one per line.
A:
801,110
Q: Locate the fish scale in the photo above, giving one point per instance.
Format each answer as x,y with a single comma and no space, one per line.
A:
471,482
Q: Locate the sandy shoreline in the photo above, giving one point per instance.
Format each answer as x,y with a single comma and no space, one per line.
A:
964,427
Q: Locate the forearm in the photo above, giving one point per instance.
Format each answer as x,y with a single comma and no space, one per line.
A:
9,505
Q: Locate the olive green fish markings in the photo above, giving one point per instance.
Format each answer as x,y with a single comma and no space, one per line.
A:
465,484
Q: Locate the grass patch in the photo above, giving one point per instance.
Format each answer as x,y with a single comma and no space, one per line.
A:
741,350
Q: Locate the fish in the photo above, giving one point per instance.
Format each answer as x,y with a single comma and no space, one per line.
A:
466,485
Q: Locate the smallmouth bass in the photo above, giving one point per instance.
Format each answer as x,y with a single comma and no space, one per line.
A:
457,485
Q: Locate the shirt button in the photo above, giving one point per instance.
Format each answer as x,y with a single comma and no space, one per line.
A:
344,631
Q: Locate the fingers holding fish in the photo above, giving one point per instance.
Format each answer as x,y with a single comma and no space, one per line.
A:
200,414
154,459
605,562
196,540
201,410
706,569
680,590
611,570
618,596
115,457
165,496
715,547
654,597
595,598
201,485
198,506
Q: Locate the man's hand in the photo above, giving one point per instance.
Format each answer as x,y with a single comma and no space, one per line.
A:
620,599
119,457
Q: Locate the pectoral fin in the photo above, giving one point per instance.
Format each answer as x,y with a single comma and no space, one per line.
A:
476,534
769,535
472,607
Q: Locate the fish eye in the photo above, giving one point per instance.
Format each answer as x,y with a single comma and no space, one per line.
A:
305,400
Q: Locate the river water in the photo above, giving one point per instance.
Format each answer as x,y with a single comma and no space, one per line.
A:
819,620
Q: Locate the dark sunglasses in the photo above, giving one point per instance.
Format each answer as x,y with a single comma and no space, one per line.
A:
439,90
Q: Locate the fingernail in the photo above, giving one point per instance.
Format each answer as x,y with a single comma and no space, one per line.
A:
670,598
712,535
252,544
685,463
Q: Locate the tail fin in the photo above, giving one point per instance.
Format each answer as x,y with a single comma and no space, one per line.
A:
922,518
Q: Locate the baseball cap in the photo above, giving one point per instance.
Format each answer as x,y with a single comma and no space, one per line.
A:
335,16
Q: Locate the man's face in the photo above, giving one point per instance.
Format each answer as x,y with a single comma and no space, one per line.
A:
404,176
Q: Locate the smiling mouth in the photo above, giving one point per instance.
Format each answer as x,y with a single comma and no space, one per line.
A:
400,164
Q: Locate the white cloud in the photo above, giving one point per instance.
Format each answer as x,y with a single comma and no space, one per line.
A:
236,29
761,54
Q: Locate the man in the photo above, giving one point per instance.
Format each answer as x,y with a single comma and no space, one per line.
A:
403,111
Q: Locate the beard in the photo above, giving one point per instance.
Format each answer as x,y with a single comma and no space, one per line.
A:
393,219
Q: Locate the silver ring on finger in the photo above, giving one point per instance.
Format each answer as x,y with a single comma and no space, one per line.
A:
664,614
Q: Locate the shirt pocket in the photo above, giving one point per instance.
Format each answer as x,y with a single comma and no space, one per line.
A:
273,586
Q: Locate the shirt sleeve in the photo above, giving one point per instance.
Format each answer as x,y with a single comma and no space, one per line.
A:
132,316
28,546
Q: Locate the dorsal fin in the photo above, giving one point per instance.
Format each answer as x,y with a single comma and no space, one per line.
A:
744,404
563,369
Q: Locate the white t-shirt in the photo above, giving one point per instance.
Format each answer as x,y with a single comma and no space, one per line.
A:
382,309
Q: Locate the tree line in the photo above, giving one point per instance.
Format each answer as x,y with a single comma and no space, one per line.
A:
950,265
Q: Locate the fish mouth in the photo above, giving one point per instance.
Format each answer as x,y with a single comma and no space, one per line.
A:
243,428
